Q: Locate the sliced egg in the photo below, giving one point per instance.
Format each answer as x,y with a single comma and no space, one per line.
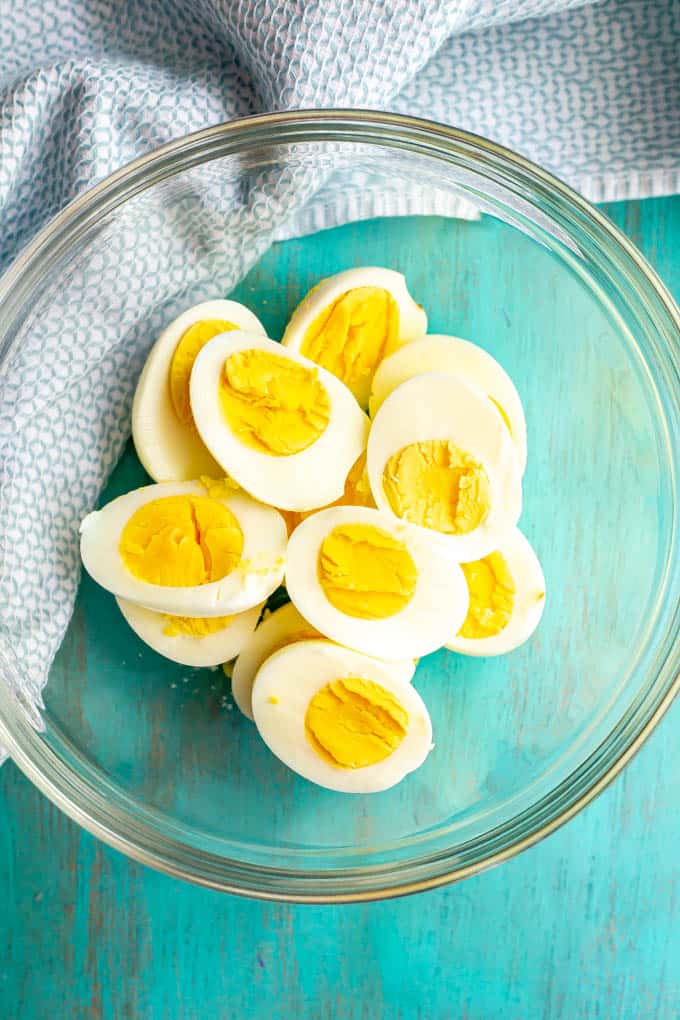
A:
340,719
177,549
286,430
285,626
351,321
440,457
452,356
369,582
507,596
163,428
357,492
192,640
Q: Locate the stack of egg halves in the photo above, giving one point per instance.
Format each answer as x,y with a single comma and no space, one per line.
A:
395,534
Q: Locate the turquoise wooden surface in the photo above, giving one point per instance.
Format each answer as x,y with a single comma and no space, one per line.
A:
585,925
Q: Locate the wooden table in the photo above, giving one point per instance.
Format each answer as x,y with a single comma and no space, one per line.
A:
585,925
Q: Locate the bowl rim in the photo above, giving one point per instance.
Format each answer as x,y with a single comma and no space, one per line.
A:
62,786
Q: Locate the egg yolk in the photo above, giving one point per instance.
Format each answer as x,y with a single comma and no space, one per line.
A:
435,484
273,404
352,336
181,541
365,572
357,486
492,596
293,518
353,723
195,626
219,488
192,341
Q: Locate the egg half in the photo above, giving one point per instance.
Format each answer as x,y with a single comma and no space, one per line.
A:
276,630
339,718
351,321
186,548
374,584
192,640
357,492
163,428
283,428
452,356
507,597
285,626
440,457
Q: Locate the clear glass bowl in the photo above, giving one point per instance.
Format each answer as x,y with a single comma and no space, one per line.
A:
149,756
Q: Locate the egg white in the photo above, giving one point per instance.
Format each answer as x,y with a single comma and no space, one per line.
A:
527,573
444,407
170,450
274,629
209,650
412,318
452,356
293,675
257,576
301,481
422,626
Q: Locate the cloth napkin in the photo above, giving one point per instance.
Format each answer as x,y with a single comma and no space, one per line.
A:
589,90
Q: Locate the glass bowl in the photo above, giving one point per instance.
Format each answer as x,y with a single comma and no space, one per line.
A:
151,757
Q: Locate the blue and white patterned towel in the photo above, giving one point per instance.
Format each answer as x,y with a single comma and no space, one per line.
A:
589,90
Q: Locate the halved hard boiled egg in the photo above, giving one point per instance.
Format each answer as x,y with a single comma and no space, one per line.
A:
163,429
339,718
177,549
285,429
452,356
357,492
440,457
192,640
507,596
374,584
285,626
351,321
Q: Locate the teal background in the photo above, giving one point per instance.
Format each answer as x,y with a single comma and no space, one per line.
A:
587,924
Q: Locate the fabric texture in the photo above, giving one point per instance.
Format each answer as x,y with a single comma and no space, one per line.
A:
588,90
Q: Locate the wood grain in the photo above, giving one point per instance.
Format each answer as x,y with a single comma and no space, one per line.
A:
586,925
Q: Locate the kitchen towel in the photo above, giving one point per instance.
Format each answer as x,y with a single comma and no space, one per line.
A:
588,90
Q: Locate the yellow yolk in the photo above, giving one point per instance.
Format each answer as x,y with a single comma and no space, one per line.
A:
437,485
502,413
181,541
187,350
195,626
273,404
353,723
365,572
352,336
492,596
293,518
219,488
357,486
